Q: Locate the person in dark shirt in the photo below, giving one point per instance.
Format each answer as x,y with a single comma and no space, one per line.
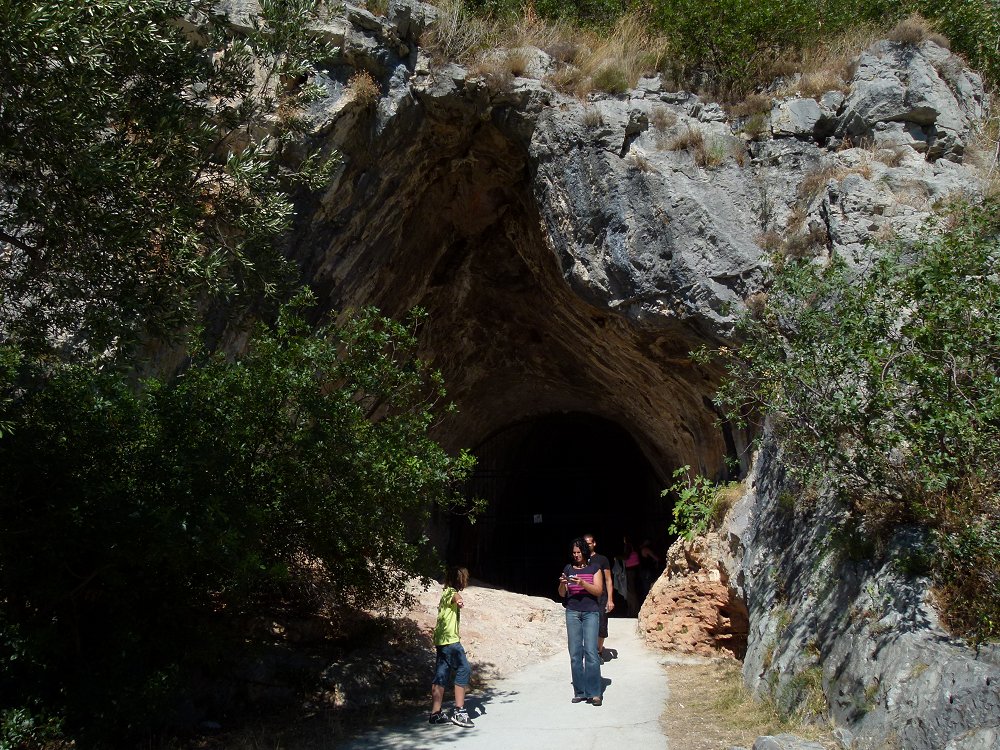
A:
607,601
581,585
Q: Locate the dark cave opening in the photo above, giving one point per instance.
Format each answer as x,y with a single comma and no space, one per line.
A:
546,481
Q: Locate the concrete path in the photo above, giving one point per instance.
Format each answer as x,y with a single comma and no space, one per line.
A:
531,709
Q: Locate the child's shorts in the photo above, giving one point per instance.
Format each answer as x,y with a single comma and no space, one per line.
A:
452,658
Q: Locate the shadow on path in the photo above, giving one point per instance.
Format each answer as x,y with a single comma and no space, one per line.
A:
531,709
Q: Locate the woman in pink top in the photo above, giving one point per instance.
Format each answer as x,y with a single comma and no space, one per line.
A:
631,578
581,585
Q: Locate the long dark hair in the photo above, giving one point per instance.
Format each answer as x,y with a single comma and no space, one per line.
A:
578,542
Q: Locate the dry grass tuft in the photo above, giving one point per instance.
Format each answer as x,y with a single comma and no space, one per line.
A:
495,73
612,61
915,29
377,7
756,304
640,162
984,153
738,150
891,157
913,194
568,80
707,152
592,117
756,127
460,36
940,40
828,65
363,89
710,707
769,241
754,104
726,497
662,119
500,68
611,79
616,60
807,244
690,139
817,82
815,182
517,61
557,39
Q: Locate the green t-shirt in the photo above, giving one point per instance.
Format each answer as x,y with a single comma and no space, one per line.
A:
449,619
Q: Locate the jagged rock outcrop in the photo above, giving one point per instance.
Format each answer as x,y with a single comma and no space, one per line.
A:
919,96
692,608
819,606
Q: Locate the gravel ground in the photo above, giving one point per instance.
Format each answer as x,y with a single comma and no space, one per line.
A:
501,631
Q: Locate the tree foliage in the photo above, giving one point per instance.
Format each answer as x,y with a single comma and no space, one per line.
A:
141,525
146,178
884,380
973,26
140,143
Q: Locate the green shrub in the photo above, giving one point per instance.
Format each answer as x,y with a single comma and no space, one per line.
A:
22,729
145,170
884,382
731,48
733,43
699,503
142,526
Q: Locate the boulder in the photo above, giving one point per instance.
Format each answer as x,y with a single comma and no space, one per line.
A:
922,86
798,118
691,608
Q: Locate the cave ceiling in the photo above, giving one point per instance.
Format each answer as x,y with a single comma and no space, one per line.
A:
444,217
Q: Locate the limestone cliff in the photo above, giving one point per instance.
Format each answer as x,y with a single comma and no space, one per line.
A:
572,252
823,605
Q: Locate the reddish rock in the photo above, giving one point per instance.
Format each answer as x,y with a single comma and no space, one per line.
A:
691,608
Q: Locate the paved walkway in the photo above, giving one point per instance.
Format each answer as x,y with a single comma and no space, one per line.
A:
531,710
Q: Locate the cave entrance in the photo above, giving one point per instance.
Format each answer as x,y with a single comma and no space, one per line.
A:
546,481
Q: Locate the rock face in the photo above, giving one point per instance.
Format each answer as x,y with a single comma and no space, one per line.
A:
692,608
821,616
920,97
572,253
819,606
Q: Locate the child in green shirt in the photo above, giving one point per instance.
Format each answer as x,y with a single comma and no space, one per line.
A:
450,653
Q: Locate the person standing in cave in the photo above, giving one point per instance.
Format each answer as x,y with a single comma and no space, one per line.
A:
649,567
606,601
451,656
581,585
631,559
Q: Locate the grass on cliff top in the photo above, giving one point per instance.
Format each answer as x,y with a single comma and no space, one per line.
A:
727,57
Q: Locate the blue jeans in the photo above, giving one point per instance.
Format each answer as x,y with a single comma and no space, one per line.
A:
581,631
451,658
